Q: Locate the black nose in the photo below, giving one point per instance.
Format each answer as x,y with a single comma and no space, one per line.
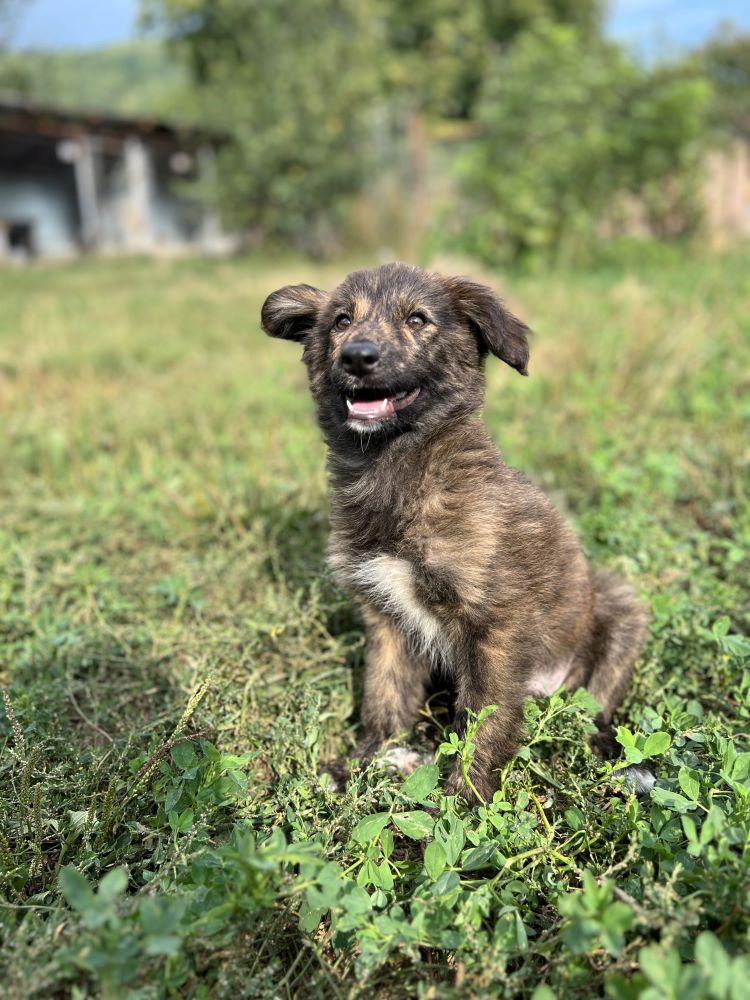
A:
360,357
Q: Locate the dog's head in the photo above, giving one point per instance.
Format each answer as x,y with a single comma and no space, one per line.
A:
395,348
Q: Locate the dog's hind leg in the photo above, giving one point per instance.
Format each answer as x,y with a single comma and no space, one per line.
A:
620,624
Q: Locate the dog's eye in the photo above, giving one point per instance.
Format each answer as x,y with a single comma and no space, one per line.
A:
342,321
416,321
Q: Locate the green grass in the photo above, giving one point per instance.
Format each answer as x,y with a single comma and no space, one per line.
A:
162,523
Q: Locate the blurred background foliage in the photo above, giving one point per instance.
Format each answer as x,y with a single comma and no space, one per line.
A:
511,130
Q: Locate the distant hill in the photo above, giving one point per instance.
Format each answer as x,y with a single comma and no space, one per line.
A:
134,78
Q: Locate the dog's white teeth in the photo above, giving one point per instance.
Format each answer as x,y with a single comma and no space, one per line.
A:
383,405
349,404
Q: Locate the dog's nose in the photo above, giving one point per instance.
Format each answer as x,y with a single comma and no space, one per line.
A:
360,357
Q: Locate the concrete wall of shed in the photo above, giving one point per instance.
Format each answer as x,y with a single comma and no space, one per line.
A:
47,201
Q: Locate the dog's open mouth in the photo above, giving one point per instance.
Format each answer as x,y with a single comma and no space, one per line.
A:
371,406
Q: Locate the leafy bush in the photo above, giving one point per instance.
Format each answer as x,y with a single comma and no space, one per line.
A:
295,93
569,125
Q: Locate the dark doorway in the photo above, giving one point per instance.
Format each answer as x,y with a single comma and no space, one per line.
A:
20,237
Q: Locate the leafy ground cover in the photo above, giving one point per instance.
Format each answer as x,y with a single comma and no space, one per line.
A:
177,663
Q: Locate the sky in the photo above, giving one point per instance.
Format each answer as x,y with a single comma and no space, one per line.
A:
651,27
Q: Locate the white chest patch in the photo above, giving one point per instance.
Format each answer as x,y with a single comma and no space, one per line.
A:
389,582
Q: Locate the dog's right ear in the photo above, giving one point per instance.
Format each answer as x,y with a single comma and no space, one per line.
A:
499,330
291,312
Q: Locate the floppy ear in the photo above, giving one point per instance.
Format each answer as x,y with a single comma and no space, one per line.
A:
500,331
291,312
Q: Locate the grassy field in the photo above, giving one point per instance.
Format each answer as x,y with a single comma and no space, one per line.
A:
178,664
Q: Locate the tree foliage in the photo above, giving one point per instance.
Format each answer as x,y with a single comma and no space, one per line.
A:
439,50
569,125
297,90
726,61
304,92
136,78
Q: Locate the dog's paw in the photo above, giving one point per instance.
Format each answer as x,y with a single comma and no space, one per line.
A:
330,783
480,791
402,760
636,779
334,776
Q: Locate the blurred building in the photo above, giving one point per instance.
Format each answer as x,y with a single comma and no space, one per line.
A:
74,183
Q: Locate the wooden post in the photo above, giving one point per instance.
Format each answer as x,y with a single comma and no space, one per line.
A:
137,216
88,204
211,231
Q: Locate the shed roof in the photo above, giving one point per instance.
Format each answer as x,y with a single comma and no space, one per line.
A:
17,113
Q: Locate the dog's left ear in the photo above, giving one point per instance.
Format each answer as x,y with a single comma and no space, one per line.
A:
500,331
291,312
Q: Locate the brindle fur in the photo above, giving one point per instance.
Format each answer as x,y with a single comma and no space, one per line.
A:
460,564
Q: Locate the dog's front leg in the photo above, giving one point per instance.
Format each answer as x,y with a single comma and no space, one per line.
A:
488,679
395,681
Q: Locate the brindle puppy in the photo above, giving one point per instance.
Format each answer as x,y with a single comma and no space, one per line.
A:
460,564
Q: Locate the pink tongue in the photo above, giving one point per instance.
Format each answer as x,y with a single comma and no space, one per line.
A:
369,408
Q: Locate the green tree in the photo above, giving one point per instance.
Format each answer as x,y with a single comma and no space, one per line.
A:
439,50
135,78
295,87
304,89
726,62
569,124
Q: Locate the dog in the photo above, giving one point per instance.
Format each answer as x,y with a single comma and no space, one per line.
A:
461,566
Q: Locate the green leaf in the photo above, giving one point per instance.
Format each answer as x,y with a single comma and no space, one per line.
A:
310,918
184,755
450,833
710,953
78,818
688,825
419,784
369,827
76,889
477,857
656,744
575,818
385,876
163,944
661,968
672,800
522,940
741,767
446,884
616,920
543,992
369,875
720,628
434,859
386,843
689,783
113,884
416,824
355,900
624,737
